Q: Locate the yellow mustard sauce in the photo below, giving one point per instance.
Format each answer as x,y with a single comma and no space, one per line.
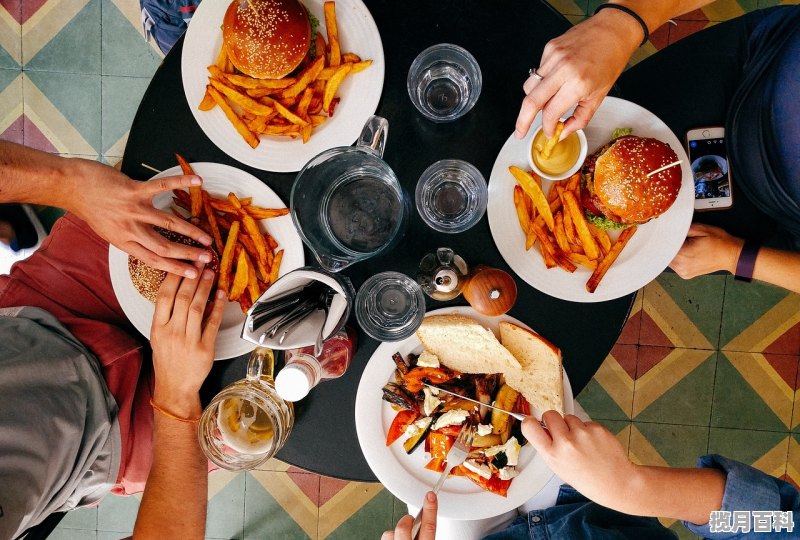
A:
563,156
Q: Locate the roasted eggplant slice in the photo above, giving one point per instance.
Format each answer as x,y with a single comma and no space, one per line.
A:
395,394
402,365
412,443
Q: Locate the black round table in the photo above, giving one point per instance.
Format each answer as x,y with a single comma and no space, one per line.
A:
506,38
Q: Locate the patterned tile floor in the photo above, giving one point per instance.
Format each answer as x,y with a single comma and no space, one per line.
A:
708,365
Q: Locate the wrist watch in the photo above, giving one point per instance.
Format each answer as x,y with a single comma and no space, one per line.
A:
747,261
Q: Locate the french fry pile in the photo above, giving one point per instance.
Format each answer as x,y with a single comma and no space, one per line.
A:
292,106
556,224
233,224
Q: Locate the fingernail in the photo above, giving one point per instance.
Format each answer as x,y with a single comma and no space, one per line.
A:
207,274
196,181
206,241
431,496
190,273
220,294
204,257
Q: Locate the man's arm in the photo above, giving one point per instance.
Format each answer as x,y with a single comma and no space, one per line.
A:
117,208
175,497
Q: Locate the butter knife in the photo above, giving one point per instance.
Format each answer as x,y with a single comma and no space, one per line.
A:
518,416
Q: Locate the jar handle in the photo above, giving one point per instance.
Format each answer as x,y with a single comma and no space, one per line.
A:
374,135
260,364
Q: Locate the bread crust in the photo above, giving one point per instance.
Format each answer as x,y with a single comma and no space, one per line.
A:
266,39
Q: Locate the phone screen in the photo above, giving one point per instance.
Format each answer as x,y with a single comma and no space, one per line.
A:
709,161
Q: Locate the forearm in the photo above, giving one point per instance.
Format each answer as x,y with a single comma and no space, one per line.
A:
685,494
781,268
655,13
175,497
32,176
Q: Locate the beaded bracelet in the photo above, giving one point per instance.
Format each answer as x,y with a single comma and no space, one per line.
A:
747,261
630,12
170,415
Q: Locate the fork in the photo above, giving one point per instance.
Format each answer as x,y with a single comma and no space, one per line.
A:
455,457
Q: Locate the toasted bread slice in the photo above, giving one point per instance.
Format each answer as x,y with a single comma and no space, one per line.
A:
461,343
540,380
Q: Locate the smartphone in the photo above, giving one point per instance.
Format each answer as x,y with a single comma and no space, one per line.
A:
710,167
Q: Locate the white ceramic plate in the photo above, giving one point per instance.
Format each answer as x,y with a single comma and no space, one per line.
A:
218,180
405,476
649,251
359,93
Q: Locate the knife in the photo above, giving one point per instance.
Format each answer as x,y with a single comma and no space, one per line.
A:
518,416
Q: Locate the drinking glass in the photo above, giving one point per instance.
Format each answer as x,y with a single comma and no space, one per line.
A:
247,422
451,196
390,306
444,82
347,203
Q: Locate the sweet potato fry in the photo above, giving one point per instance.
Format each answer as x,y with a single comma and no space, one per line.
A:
243,81
333,33
207,103
560,235
244,101
222,59
305,101
553,141
226,263
581,226
194,191
276,267
535,193
601,236
320,46
211,215
555,252
237,122
522,213
250,247
609,259
251,227
305,78
240,278
333,85
271,242
583,260
289,115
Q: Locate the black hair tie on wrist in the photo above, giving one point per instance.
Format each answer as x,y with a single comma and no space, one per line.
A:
630,12
747,261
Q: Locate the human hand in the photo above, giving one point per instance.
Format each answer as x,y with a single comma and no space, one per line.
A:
427,529
580,67
705,250
183,345
121,211
584,454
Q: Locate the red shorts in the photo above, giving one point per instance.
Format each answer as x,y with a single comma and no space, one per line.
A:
68,277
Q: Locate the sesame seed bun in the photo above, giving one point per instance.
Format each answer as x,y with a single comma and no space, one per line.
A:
621,186
266,39
147,279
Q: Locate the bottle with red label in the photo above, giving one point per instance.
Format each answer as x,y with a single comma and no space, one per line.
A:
303,371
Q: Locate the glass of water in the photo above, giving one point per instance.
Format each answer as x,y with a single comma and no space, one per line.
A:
444,82
390,306
451,196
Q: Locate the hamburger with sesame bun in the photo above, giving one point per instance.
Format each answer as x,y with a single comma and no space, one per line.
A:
147,279
266,39
616,191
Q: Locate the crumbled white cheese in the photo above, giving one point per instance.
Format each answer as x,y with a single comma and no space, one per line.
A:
454,417
413,429
478,468
507,473
427,359
484,429
511,448
431,401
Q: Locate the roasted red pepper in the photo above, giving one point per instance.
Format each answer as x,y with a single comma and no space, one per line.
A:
403,419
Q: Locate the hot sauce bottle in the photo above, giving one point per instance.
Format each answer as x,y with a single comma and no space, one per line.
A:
303,371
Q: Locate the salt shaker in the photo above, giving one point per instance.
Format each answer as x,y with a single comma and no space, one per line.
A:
303,371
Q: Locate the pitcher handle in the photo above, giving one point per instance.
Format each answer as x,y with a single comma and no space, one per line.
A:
374,134
260,364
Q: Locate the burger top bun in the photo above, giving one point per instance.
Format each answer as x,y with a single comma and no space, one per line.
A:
622,185
266,39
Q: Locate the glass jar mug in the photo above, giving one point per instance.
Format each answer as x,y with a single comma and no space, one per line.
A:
247,422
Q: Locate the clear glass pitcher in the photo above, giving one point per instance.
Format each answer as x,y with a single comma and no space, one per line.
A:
247,422
347,203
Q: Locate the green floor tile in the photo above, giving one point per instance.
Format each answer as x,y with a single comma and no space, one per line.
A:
738,405
699,298
599,405
108,535
74,49
121,97
744,304
680,446
687,402
7,76
225,517
399,509
124,50
117,514
6,60
370,521
750,447
80,518
72,534
682,532
76,96
264,517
